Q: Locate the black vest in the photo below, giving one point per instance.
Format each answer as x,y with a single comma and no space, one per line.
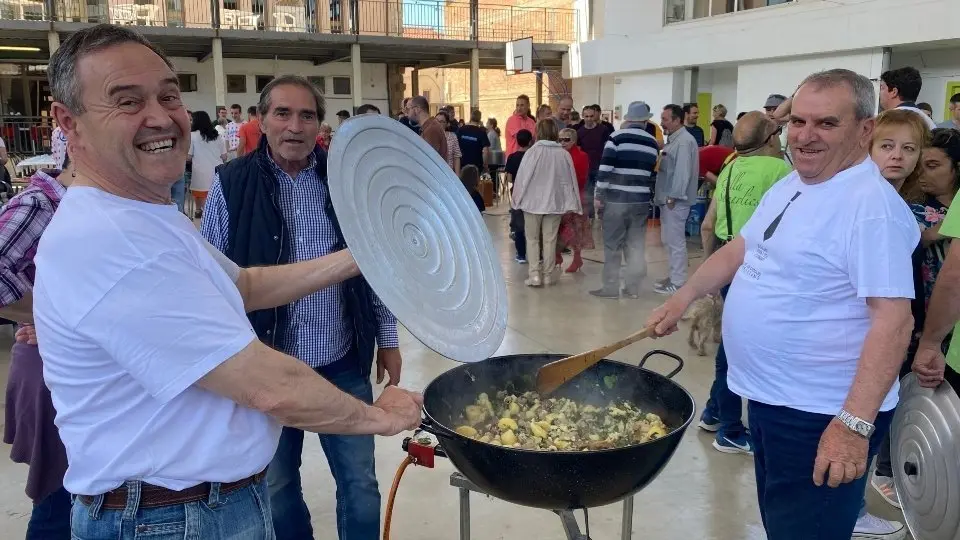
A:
258,236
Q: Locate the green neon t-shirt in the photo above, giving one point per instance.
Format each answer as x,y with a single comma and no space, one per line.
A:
752,177
951,227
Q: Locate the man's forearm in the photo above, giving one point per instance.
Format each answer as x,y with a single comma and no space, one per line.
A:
20,311
884,350
944,309
269,381
271,286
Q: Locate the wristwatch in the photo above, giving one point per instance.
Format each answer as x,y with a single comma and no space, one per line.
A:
856,424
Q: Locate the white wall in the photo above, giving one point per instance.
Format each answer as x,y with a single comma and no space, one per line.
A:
757,80
658,89
373,86
635,38
938,67
593,90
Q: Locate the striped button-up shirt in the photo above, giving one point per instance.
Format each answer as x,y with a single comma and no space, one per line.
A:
22,221
626,166
318,330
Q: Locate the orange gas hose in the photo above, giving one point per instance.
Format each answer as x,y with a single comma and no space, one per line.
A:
393,494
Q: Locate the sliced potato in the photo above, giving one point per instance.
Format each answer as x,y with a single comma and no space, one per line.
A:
506,424
466,431
508,438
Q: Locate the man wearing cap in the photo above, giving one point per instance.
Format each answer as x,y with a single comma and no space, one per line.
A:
676,191
773,101
623,194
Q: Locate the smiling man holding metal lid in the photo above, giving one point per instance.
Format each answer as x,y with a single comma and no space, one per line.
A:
168,405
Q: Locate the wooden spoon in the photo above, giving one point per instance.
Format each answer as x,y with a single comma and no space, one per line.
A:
553,375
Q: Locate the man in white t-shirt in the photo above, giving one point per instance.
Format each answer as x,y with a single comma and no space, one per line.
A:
233,130
817,320
168,405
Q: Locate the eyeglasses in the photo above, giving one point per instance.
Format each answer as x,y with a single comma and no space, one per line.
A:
565,139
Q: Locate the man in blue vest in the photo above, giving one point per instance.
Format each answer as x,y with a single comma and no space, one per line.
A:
273,207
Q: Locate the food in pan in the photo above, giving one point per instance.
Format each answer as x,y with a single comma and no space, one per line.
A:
530,422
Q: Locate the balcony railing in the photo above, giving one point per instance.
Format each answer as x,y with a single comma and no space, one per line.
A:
425,19
683,10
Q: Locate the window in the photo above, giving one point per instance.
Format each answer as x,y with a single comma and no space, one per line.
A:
680,10
341,86
263,81
236,84
319,82
230,4
187,81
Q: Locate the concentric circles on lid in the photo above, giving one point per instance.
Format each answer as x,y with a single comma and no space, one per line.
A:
926,459
417,237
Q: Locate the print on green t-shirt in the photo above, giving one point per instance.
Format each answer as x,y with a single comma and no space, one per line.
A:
752,177
951,227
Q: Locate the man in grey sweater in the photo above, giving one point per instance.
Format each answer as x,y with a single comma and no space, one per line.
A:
675,193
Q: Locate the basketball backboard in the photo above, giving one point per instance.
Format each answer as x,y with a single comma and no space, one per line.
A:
519,56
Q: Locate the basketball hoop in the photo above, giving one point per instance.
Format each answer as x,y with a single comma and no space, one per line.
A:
519,56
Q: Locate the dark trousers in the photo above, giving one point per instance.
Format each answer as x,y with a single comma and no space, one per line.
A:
50,519
519,233
351,461
724,404
785,447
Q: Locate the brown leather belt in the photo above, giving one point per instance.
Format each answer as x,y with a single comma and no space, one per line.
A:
155,496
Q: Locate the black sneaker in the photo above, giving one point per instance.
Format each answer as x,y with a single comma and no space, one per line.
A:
604,293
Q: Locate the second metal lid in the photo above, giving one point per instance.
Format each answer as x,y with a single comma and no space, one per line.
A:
926,459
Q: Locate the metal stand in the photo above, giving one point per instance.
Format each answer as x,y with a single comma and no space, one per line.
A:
567,519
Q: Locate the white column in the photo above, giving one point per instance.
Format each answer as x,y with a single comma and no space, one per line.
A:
219,79
53,39
474,80
356,85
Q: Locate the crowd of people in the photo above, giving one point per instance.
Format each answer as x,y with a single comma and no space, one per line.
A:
183,367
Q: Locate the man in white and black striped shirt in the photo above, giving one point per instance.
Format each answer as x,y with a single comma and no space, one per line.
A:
624,190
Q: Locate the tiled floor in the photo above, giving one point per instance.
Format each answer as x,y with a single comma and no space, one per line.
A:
701,494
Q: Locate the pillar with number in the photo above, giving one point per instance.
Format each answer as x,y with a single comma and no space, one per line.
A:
219,79
474,80
357,84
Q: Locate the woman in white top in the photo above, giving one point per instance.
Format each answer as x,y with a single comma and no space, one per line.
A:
208,149
545,189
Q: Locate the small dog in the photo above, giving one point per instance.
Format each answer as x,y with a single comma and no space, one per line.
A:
705,314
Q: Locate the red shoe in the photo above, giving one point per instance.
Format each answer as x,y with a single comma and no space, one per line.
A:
575,266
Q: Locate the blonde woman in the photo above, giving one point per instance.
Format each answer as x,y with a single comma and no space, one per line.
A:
545,189
721,130
899,139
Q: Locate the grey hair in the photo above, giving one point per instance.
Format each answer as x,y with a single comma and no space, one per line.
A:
62,72
263,107
863,93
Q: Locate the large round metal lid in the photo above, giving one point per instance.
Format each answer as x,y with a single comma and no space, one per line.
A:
417,237
926,459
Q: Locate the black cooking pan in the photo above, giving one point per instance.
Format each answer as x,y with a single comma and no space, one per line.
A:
558,480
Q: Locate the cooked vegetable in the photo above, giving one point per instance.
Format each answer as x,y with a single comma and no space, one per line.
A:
527,421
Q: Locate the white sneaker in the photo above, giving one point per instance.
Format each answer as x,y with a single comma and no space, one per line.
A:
875,528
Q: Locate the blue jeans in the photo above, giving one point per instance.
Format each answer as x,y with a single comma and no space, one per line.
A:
785,447
243,514
178,192
723,404
350,458
50,519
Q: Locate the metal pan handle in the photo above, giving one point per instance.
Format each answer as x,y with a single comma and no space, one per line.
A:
427,424
664,353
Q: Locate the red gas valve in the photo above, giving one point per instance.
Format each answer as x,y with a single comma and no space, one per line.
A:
422,451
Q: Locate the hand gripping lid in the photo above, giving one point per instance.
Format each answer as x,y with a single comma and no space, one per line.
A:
417,237
926,459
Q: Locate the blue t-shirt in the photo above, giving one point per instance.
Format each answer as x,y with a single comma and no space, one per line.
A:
473,139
